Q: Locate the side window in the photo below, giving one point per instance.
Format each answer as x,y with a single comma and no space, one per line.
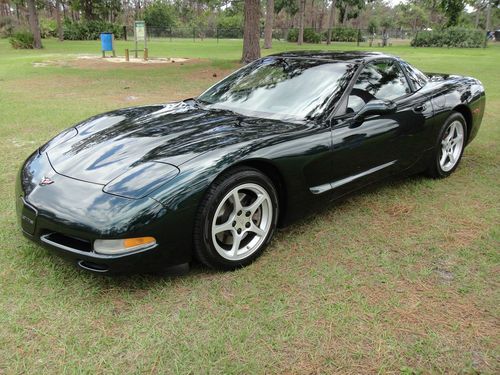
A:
418,78
378,80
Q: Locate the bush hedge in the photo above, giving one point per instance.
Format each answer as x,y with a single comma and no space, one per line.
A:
90,30
310,36
451,37
22,39
343,34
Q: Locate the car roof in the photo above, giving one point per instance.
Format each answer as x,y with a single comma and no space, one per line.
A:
347,56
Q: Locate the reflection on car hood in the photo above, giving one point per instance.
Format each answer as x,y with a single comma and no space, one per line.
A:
107,145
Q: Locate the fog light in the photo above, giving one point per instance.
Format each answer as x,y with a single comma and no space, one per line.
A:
110,247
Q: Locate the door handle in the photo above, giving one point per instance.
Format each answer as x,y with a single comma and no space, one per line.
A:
419,108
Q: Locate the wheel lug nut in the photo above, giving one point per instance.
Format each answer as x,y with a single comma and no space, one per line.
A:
239,213
247,225
234,223
247,214
239,230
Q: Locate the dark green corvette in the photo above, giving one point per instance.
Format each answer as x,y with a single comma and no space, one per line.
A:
145,188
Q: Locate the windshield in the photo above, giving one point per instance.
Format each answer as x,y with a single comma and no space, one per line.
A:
280,88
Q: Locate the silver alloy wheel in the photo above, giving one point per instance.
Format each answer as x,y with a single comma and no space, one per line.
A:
242,221
451,146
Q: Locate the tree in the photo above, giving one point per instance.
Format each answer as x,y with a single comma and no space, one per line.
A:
331,21
160,15
268,29
290,8
385,24
251,32
88,8
34,25
453,10
372,30
349,9
302,13
60,33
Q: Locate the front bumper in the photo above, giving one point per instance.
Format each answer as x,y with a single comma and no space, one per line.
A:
68,215
148,260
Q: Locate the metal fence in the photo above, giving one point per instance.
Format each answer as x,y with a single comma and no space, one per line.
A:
339,34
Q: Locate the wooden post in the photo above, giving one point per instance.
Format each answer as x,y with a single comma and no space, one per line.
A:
145,54
127,56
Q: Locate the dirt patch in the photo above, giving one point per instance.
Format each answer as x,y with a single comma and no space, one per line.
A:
98,62
133,60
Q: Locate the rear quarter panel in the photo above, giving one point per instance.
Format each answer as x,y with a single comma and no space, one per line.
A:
449,93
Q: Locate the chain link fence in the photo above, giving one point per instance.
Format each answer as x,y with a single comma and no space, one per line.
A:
361,37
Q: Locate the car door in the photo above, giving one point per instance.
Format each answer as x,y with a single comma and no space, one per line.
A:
366,148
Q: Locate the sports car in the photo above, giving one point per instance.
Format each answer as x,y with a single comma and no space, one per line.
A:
210,178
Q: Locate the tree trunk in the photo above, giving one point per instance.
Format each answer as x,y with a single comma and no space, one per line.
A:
251,32
59,23
268,30
302,12
488,16
311,20
34,26
88,9
331,22
346,12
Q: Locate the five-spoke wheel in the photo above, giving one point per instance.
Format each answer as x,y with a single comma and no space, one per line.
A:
237,219
242,221
451,145
450,148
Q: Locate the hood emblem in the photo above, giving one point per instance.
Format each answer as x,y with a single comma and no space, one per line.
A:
46,181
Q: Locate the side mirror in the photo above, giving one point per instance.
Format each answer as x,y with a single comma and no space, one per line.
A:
375,107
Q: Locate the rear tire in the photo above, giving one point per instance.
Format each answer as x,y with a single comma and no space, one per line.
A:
449,147
236,219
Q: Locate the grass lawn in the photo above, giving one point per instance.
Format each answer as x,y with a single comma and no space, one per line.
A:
402,277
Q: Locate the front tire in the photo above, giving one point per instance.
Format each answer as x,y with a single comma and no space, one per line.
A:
449,148
236,219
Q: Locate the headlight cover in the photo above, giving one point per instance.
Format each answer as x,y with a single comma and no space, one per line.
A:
62,137
115,247
142,180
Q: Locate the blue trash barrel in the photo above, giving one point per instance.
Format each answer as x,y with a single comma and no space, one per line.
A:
106,41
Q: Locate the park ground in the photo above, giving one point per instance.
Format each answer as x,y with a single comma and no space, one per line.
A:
399,278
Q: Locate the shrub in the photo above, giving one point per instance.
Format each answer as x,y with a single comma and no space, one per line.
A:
90,30
344,34
230,26
451,37
22,39
7,25
48,28
310,36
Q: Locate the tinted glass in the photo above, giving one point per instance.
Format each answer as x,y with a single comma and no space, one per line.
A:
418,78
280,88
378,80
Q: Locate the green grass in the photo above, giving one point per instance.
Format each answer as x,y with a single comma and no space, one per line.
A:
402,277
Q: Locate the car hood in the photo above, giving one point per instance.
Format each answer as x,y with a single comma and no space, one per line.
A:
104,147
